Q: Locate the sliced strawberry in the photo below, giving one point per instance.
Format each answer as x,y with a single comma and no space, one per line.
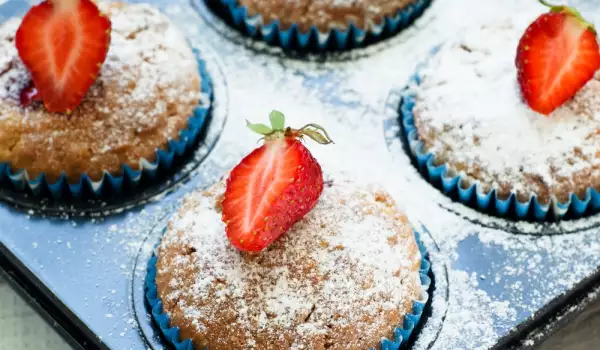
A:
29,95
273,187
63,43
556,57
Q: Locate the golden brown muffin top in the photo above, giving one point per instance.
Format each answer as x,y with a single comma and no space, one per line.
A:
343,277
470,113
146,90
325,14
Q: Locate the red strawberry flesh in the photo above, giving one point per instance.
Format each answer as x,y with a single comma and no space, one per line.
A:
556,57
272,188
63,45
29,95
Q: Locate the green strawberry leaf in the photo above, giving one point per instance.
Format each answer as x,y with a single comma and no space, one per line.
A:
277,120
259,128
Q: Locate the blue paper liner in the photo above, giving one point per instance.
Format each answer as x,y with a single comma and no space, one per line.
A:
474,194
402,333
338,39
128,176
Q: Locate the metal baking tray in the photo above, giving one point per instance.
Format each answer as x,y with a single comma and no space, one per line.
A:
498,283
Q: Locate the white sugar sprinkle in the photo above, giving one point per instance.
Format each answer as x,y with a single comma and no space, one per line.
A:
351,256
470,99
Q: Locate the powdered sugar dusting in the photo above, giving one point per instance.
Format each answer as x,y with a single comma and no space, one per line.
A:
145,93
143,37
351,263
496,279
470,112
479,312
325,14
13,80
145,47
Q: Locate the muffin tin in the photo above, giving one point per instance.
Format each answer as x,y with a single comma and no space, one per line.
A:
497,283
314,39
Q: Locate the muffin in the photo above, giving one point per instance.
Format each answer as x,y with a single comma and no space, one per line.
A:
346,22
473,133
345,276
146,93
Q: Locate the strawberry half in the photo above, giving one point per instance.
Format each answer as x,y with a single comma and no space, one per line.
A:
274,186
29,95
556,57
63,44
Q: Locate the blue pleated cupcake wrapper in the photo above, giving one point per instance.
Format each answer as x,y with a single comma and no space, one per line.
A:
402,333
474,194
339,39
128,176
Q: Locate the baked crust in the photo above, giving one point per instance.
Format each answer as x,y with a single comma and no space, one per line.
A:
342,278
147,89
470,114
325,14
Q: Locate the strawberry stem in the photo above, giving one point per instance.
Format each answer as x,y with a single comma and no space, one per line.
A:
278,130
315,132
569,11
545,3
